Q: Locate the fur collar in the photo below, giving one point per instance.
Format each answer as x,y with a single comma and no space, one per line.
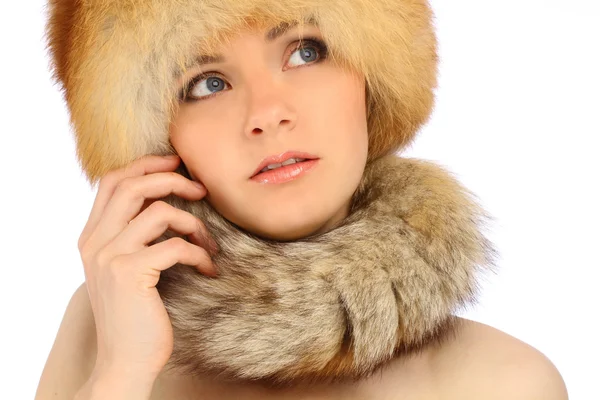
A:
338,305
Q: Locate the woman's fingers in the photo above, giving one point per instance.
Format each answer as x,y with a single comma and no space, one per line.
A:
129,197
153,221
142,166
150,261
121,270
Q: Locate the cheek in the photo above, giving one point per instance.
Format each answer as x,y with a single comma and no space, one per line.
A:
191,147
210,161
351,128
340,111
339,97
353,93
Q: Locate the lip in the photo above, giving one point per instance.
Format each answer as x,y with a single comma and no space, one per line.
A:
278,159
287,173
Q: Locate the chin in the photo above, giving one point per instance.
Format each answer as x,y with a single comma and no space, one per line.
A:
283,229
284,232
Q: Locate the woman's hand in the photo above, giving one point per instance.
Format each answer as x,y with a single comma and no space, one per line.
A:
133,329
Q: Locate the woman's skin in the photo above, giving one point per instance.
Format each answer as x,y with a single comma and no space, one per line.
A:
269,100
272,97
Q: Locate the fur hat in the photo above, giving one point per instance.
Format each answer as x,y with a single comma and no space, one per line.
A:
116,61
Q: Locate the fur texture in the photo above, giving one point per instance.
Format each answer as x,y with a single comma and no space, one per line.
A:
384,282
338,305
117,61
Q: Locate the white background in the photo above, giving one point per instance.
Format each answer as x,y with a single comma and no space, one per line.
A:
517,121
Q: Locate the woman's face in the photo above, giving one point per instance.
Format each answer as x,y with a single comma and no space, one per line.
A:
266,98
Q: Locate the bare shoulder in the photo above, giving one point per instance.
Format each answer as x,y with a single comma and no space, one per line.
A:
484,362
72,357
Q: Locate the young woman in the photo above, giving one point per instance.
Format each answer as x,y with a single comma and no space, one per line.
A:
285,252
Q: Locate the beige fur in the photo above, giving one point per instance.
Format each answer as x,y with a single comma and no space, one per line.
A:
337,305
116,60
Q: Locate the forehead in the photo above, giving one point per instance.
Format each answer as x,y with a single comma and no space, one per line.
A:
271,35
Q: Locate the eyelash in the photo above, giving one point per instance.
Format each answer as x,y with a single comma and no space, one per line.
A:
317,43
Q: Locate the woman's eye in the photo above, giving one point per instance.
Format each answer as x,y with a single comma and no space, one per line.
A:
208,84
314,49
202,86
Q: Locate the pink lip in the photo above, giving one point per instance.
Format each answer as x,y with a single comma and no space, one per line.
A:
286,173
278,159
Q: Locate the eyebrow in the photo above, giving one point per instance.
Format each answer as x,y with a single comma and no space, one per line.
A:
270,36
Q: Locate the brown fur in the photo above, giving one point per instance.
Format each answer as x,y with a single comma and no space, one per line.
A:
381,284
116,59
335,306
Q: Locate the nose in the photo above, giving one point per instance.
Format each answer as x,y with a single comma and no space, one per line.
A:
269,107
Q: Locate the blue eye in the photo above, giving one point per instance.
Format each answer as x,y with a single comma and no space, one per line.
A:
213,84
305,52
309,50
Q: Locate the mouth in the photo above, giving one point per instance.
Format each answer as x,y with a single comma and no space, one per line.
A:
283,160
286,173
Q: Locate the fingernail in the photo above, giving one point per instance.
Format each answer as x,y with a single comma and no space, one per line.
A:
213,271
198,185
208,270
